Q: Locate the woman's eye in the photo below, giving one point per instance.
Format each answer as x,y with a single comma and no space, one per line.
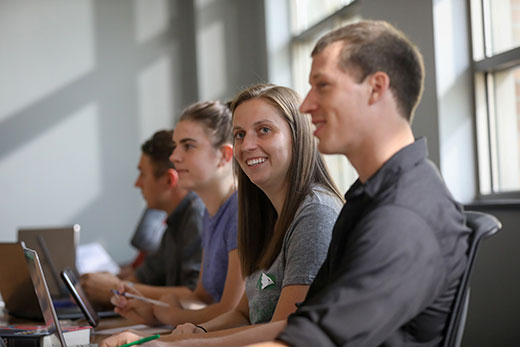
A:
265,130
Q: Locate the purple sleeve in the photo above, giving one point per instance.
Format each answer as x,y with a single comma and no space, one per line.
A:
231,233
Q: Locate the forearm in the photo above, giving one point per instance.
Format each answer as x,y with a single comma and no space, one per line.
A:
230,337
131,278
228,320
155,292
198,316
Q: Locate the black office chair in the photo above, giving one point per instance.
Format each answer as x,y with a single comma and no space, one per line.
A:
483,226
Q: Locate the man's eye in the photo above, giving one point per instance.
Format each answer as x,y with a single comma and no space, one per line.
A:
322,84
239,135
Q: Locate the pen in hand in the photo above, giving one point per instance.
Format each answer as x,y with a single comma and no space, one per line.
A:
140,341
142,298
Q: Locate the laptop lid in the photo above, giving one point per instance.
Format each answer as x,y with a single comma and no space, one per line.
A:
56,248
71,280
16,284
18,293
44,297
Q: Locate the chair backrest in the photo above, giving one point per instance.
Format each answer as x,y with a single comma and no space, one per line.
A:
483,225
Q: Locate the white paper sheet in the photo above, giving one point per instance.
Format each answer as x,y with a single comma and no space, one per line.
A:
92,257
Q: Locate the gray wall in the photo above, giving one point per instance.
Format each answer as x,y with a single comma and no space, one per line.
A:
231,46
425,121
83,83
494,301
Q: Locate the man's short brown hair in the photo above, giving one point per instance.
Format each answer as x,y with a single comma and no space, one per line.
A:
371,46
159,148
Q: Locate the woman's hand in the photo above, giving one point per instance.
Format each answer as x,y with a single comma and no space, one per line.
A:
132,309
187,328
97,286
120,339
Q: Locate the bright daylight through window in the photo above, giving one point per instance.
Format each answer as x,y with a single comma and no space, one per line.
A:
496,55
310,19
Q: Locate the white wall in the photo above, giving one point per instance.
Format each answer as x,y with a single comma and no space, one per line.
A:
82,84
455,98
85,82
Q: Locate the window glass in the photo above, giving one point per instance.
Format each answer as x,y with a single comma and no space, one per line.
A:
305,13
507,127
495,26
503,29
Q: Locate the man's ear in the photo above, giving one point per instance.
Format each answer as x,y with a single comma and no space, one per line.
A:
227,154
379,83
173,177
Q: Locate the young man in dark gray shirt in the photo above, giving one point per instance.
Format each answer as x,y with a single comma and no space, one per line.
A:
174,267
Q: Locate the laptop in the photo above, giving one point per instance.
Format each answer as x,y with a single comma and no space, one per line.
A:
70,278
44,299
56,248
16,284
18,291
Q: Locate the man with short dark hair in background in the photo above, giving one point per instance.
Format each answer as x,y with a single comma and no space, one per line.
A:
177,261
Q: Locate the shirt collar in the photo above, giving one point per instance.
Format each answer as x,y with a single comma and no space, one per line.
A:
403,160
173,217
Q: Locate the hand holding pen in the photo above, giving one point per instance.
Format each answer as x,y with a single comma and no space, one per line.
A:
139,310
127,339
141,341
142,298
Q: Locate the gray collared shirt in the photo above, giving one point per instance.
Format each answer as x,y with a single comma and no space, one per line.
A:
177,261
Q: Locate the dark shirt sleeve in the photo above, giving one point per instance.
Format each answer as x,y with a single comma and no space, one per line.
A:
191,248
388,269
152,270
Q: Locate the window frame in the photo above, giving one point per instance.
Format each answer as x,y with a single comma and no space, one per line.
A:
341,170
483,72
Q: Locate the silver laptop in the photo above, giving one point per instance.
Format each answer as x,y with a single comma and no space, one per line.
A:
57,250
17,288
16,284
44,298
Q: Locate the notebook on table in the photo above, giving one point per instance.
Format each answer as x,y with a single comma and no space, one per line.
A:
17,288
52,334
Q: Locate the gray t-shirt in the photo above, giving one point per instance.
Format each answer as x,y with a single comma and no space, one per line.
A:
304,249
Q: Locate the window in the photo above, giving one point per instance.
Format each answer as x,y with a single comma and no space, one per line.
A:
496,64
310,19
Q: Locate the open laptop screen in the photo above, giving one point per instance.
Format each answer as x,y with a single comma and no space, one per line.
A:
69,277
44,296
16,284
56,248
